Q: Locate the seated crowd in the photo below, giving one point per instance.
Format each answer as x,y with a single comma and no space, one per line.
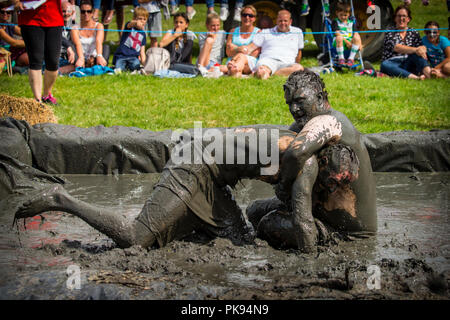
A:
248,50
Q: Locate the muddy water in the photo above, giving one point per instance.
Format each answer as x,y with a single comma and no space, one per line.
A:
412,250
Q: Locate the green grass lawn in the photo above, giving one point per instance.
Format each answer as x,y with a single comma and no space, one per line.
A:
373,105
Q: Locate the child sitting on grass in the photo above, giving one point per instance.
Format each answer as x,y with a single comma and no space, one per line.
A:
179,41
345,35
438,51
212,45
131,52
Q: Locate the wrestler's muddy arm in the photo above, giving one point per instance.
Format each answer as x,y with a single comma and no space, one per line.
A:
304,226
318,132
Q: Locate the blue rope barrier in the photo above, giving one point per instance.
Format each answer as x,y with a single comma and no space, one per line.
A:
207,32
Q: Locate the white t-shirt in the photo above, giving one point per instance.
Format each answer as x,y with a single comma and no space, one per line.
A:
282,46
218,48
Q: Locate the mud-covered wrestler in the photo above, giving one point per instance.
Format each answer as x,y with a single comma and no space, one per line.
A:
190,195
326,188
328,175
194,196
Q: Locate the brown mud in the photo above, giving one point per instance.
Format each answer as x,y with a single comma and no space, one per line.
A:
411,251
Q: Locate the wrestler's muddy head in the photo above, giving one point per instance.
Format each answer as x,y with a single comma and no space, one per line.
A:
305,94
338,166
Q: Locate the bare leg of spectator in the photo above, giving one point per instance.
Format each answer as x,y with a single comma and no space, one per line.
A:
287,71
203,57
35,79
49,81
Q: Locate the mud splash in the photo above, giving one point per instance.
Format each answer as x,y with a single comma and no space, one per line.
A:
411,251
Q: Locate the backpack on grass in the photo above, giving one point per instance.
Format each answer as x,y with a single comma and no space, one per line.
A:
157,59
5,61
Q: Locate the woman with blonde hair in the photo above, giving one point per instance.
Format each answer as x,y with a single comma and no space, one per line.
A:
241,62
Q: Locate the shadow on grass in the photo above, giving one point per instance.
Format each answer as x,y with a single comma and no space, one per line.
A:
310,52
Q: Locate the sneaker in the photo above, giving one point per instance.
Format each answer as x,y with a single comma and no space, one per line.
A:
341,63
224,13
215,73
203,70
237,14
326,9
117,71
367,72
174,10
191,14
350,63
50,100
304,10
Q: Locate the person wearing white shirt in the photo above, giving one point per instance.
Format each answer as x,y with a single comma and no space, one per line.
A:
281,48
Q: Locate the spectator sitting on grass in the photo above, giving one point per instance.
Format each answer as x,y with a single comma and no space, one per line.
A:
281,48
403,53
345,34
131,52
212,45
8,38
438,50
88,39
179,41
68,56
240,61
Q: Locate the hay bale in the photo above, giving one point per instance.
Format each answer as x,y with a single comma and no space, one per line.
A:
26,109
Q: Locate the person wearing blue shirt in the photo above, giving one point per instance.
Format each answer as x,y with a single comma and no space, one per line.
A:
131,51
438,50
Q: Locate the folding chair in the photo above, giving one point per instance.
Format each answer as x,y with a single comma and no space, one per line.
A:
330,61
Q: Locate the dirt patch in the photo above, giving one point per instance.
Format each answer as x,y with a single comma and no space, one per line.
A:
217,269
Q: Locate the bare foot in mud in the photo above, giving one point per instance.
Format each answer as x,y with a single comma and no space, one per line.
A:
46,200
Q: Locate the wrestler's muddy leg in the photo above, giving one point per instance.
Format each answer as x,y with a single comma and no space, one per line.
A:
229,218
277,228
116,226
165,218
274,223
259,208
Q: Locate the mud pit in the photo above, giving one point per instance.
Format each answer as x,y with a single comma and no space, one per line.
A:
411,250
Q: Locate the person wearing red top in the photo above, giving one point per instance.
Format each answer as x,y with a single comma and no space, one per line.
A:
42,34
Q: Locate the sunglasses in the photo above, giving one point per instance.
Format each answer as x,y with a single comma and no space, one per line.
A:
247,15
431,33
5,12
85,11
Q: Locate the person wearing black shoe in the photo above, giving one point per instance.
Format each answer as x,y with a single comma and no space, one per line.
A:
42,33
